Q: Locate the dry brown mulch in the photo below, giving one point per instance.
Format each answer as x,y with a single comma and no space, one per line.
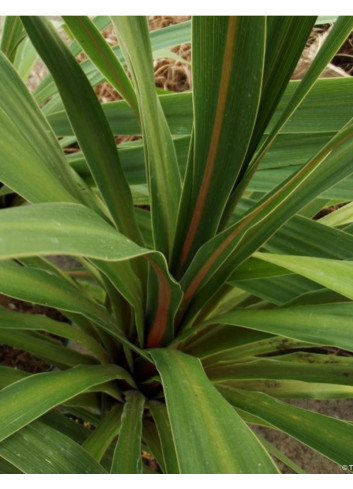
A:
344,59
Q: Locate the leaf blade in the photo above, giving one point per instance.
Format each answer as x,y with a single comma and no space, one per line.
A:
221,129
40,393
39,449
88,120
329,436
207,412
127,454
292,322
161,162
102,55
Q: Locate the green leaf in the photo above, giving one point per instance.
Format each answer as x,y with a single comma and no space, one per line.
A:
99,51
285,42
39,449
168,54
11,36
151,439
26,57
36,322
127,454
28,145
76,230
222,126
47,88
278,369
218,338
103,435
132,160
339,217
160,416
9,375
67,426
42,287
254,269
161,162
270,344
227,250
279,290
297,235
326,19
164,297
62,229
52,351
300,233
88,120
312,117
334,40
7,468
290,149
336,275
162,38
207,439
29,398
295,389
331,437
315,324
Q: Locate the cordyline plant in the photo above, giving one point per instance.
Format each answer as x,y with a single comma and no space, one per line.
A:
205,292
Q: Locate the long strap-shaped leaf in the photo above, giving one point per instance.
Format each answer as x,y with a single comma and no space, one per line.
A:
295,389
53,352
329,436
161,162
8,375
337,36
160,416
88,121
267,368
127,455
311,116
11,36
101,438
40,449
76,230
36,322
41,287
153,445
300,234
228,56
46,89
25,59
28,145
224,253
312,323
8,468
336,275
285,40
99,51
341,216
26,400
334,40
211,438
160,39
